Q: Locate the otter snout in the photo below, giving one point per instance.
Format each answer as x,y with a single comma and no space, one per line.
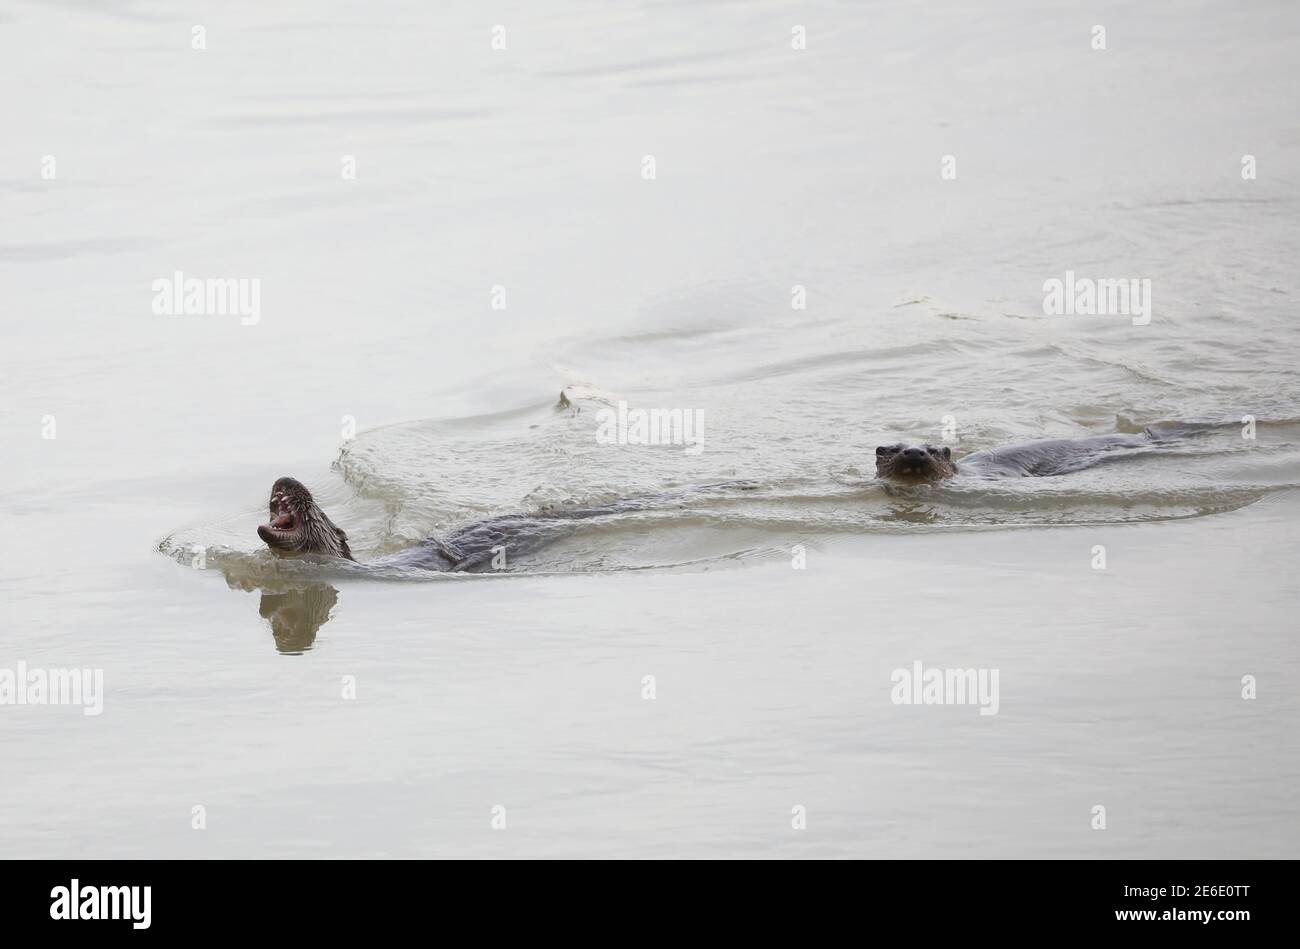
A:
914,462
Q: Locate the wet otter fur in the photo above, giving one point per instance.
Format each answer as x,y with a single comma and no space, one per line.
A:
298,526
912,464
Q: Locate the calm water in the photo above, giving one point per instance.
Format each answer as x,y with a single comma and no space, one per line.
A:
516,177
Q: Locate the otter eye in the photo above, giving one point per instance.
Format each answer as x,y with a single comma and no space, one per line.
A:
934,451
882,450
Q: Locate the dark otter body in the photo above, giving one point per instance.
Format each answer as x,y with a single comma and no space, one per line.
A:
1056,456
478,546
298,527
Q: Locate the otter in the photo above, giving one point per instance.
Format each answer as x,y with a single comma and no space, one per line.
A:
906,463
297,527
914,462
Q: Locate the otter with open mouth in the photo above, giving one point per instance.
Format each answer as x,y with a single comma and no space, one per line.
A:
298,526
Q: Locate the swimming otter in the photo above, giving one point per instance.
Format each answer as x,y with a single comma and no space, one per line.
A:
298,526
1056,456
914,462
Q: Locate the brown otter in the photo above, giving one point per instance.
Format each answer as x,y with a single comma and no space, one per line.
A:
914,462
1057,456
298,526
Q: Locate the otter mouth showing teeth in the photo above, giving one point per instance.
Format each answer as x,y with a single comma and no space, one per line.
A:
297,527
282,520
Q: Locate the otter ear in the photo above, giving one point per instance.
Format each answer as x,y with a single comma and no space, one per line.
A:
947,453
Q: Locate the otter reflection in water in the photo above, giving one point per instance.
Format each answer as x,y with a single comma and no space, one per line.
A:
298,525
296,615
294,612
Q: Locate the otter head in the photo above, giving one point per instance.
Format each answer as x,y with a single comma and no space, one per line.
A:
914,462
298,526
